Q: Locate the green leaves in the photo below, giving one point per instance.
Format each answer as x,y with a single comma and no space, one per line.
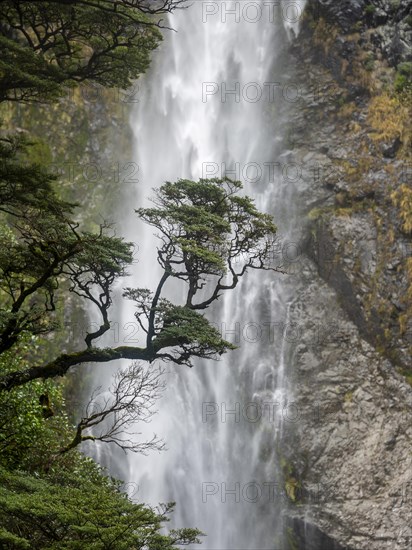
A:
43,514
209,258
27,438
176,333
42,246
190,332
24,184
208,230
47,46
210,236
25,75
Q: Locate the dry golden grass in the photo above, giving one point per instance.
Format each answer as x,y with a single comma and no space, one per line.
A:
402,199
347,110
388,118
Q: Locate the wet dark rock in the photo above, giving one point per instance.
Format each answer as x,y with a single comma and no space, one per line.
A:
343,13
307,536
389,150
393,30
346,49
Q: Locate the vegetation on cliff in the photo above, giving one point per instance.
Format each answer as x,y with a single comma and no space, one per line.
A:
365,54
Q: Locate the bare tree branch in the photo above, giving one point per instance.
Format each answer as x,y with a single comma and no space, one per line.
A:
114,416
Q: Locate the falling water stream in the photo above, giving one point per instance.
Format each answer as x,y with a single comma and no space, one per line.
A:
199,114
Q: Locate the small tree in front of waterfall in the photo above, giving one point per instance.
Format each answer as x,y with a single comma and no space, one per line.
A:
210,236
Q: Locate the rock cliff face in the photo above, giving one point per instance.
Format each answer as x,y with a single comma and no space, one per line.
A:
350,449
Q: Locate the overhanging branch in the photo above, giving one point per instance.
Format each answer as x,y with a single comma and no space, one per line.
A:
63,363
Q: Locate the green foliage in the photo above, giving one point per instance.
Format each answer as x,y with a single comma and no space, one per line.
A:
34,425
191,330
369,62
41,246
178,327
75,512
47,46
25,75
370,9
52,497
208,227
211,236
403,78
27,438
26,184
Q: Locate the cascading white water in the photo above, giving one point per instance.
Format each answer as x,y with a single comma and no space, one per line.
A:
220,467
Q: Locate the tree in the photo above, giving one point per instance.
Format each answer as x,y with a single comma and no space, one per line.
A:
80,510
114,416
46,46
210,237
41,247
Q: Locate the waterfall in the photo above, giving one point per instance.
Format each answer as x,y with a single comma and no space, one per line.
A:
215,102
